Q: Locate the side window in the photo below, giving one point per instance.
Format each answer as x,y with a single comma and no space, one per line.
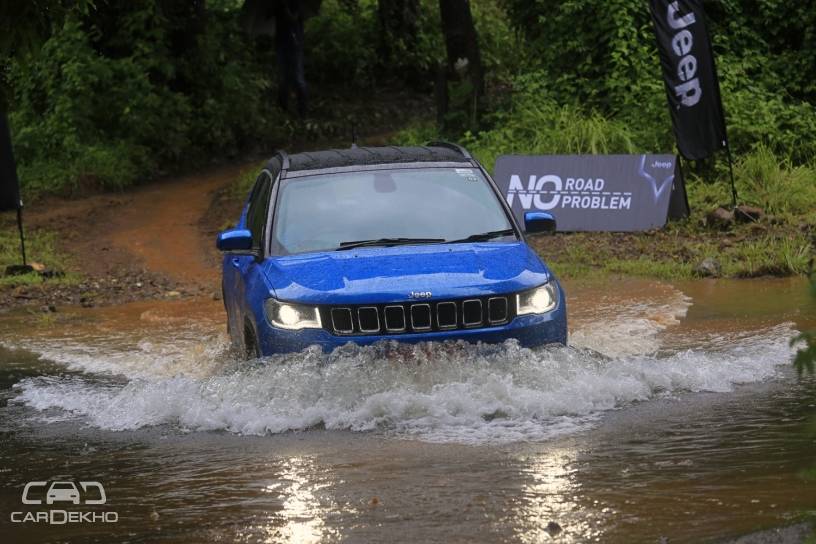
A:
258,207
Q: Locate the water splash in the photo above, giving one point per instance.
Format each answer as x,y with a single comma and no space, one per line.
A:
436,392
621,323
179,373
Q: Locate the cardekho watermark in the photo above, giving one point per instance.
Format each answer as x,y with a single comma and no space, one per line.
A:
45,503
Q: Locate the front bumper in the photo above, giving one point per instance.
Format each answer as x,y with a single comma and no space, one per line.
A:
529,330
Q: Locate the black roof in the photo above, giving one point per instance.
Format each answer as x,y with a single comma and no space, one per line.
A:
361,156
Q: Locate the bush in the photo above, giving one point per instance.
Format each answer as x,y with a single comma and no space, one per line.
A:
602,54
537,124
105,110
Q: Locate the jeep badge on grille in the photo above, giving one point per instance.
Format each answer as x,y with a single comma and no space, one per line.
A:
420,294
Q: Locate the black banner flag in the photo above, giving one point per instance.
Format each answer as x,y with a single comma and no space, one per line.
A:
690,76
9,184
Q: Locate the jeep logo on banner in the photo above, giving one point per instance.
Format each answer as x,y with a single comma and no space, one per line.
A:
592,192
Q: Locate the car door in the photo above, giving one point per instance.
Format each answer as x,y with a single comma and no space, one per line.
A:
234,267
248,266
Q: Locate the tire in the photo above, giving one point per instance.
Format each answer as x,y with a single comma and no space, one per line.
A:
251,350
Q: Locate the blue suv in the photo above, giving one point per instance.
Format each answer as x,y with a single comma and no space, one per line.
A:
384,243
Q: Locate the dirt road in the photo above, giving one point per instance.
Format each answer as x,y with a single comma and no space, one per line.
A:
160,227
152,241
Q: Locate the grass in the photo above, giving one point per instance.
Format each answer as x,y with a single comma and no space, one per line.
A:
41,247
675,252
246,179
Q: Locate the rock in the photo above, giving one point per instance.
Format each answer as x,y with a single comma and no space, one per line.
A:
172,294
48,273
748,214
708,268
37,267
216,295
374,502
553,528
720,218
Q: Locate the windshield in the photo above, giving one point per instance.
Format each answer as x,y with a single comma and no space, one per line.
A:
386,207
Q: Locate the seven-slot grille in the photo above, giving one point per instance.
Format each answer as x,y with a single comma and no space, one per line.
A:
418,316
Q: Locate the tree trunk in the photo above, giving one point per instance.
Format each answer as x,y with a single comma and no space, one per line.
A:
465,75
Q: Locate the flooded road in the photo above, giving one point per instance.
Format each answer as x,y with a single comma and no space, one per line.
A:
676,413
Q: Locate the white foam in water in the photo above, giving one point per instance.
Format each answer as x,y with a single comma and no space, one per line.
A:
434,392
189,352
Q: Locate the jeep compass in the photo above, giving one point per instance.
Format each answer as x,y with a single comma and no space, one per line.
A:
384,243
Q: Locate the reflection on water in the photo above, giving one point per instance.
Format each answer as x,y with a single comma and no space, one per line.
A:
552,494
685,421
301,518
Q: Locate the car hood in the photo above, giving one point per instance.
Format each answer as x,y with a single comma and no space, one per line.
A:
390,274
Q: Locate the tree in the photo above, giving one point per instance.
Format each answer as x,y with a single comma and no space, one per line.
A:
460,86
398,28
24,27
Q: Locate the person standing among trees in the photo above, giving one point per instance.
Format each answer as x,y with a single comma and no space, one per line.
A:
289,48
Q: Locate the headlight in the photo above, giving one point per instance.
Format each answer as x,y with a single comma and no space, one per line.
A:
286,315
537,301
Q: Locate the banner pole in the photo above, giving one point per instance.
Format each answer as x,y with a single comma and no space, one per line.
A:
731,172
22,236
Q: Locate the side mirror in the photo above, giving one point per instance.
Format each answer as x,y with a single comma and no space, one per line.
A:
234,241
537,222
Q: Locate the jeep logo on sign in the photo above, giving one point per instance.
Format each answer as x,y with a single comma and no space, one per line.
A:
420,294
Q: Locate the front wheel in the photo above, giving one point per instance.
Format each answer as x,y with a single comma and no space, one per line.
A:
251,350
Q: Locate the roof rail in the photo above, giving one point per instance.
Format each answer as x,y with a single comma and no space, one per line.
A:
456,147
284,156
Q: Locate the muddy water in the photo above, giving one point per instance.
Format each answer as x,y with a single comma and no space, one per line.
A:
674,414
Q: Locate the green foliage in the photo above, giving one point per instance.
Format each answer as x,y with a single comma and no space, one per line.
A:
783,190
537,124
102,109
805,359
339,48
342,46
246,179
777,185
603,54
759,117
417,134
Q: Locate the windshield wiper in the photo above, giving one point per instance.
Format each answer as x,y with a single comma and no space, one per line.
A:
483,236
388,242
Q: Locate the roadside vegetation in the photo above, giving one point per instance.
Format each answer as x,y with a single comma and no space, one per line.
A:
591,84
41,248
115,93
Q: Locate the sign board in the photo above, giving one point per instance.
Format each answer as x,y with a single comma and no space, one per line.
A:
594,192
